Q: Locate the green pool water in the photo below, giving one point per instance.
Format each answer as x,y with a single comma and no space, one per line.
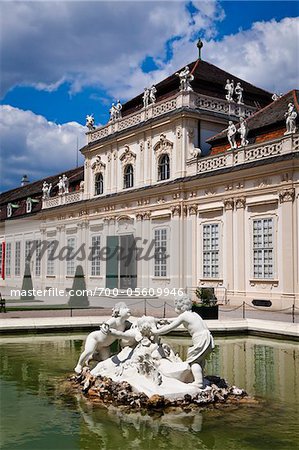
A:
37,412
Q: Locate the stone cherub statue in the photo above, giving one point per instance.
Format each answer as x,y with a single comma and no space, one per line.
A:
229,87
202,339
185,77
243,131
231,135
46,190
291,116
239,93
99,341
90,122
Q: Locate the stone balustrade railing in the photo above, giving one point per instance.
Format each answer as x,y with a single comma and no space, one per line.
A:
243,155
63,199
188,99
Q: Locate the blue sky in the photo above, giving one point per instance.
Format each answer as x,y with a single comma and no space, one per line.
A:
63,60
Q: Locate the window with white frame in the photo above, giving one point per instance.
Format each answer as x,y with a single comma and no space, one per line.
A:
160,262
210,247
28,245
95,255
37,258
18,258
50,259
8,260
70,263
263,248
28,205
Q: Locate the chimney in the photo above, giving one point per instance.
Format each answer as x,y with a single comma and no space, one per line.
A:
199,46
24,180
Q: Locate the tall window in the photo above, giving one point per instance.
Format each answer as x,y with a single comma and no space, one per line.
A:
1,257
70,263
164,168
18,259
95,255
37,258
99,184
50,260
8,260
160,266
128,176
210,248
263,248
27,250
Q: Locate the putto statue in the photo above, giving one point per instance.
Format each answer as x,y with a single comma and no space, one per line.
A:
243,131
185,79
99,341
90,122
115,111
46,190
231,135
63,185
146,97
229,87
152,94
276,96
291,116
149,96
239,93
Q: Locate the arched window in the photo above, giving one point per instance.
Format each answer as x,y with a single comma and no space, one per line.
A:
164,168
99,184
128,176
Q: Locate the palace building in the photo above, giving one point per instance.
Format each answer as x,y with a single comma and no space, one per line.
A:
198,174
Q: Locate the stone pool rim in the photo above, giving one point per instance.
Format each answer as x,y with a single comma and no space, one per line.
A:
247,327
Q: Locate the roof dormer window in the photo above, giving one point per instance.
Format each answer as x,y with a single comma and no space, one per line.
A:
28,205
9,210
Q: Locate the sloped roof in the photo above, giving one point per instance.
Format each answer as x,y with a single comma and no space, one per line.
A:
35,189
208,80
270,116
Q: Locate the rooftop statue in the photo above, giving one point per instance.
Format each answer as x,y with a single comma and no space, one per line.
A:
113,112
239,93
90,122
185,79
231,135
243,131
276,96
152,94
46,190
63,185
291,116
146,97
118,109
229,87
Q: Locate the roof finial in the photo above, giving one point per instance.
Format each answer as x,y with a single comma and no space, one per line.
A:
199,46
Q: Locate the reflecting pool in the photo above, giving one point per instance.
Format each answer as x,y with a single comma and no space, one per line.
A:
37,411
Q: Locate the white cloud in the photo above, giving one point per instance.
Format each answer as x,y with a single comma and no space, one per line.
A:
93,43
32,145
265,55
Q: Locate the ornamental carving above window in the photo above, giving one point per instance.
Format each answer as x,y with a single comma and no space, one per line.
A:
98,166
163,146
127,157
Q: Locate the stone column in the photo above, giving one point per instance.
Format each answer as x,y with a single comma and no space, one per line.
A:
175,254
139,251
286,198
190,254
148,265
228,247
239,248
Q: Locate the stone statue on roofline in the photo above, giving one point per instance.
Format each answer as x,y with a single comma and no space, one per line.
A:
276,96
185,77
239,93
149,96
90,122
152,94
243,131
63,185
118,108
231,135
113,112
146,97
46,189
229,87
291,116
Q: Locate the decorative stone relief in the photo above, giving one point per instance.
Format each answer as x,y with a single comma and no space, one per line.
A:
160,200
147,215
175,210
139,217
98,166
128,157
193,194
176,195
210,191
285,178
163,146
291,116
287,195
141,146
240,202
228,204
193,210
179,132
